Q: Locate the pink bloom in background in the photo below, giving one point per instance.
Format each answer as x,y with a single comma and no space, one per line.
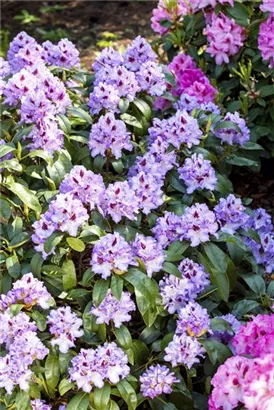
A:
225,38
190,79
258,385
266,39
169,11
268,5
255,338
227,382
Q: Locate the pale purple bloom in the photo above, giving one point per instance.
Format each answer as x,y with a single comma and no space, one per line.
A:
38,404
196,275
109,136
19,85
65,326
267,5
111,254
148,191
190,102
42,230
232,136
92,367
121,201
28,348
20,41
84,185
230,214
5,68
193,320
150,252
64,54
13,371
35,106
168,228
225,336
260,221
108,57
27,56
138,53
113,309
12,326
198,223
104,96
46,135
175,292
151,78
266,39
157,380
56,92
197,173
184,350
30,291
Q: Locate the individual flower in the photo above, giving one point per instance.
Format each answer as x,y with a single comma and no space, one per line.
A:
197,173
198,223
113,309
184,129
121,201
193,320
104,96
30,291
148,191
27,56
109,136
38,404
20,41
150,252
35,106
18,86
255,337
108,58
46,135
228,384
185,350
157,380
84,185
65,326
225,38
138,53
168,228
258,384
267,5
230,214
226,336
12,326
151,78
92,367
233,136
196,275
64,54
266,39
55,91
111,254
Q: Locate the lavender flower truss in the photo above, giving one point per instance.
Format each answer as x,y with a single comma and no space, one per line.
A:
150,252
157,380
193,320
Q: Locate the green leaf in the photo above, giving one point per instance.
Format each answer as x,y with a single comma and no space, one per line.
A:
64,386
69,277
27,197
143,107
227,124
41,154
76,244
5,211
79,402
240,13
140,352
99,291
172,269
6,149
80,113
128,394
52,371
11,164
255,282
123,337
101,397
36,264
22,400
13,266
241,161
242,307
218,324
216,351
175,251
40,320
116,286
216,256
64,124
131,120
53,241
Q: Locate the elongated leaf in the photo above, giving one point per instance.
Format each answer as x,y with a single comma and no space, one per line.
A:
128,394
11,164
101,397
69,278
117,284
53,241
131,120
76,244
79,402
27,197
123,337
99,291
52,371
80,113
65,386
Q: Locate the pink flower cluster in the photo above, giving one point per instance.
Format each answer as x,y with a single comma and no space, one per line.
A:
225,38
247,381
190,79
266,39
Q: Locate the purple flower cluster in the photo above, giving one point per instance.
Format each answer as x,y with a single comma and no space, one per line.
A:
197,173
65,214
109,136
184,350
94,367
232,136
113,309
28,291
177,292
111,254
266,39
230,214
168,229
86,186
157,380
225,336
224,36
120,201
190,103
64,54
38,404
148,191
123,76
193,320
65,326
150,252
5,68
267,5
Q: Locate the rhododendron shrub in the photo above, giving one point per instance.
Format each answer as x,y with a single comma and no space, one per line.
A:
128,263
232,42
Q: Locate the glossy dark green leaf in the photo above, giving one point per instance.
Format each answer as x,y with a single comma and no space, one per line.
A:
69,277
101,397
52,371
79,402
123,337
128,394
27,197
